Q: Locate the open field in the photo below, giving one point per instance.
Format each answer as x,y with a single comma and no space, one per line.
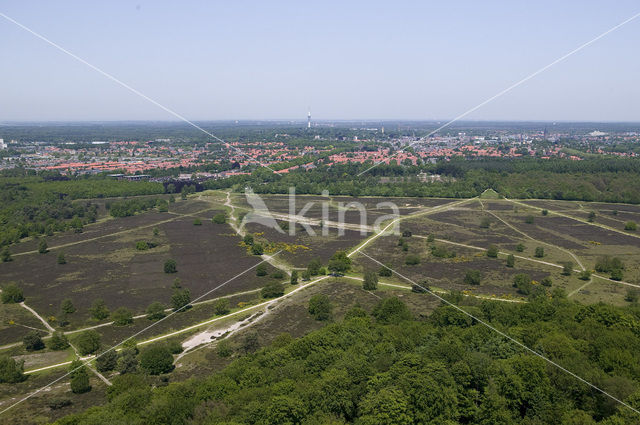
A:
103,262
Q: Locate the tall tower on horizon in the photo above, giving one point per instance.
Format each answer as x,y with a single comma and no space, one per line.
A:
309,119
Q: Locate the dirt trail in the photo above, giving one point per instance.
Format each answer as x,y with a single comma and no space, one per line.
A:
44,322
582,268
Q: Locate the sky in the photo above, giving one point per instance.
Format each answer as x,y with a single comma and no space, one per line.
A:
405,60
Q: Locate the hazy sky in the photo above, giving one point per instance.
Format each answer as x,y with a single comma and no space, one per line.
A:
235,59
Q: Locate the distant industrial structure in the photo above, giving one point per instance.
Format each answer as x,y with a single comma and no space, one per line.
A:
309,119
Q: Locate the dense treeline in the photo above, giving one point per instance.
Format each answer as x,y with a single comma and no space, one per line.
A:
388,367
603,179
32,205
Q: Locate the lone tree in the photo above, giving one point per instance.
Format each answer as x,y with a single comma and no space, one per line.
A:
520,247
43,248
219,218
492,251
32,341
473,277
155,311
58,341
107,361
370,282
61,259
272,290
11,294
180,299
67,307
294,277
320,307
221,306
88,342
170,266
79,378
122,316
257,249
339,263
156,360
99,310
511,260
567,268
539,253
385,271
5,255
11,371
261,270
127,361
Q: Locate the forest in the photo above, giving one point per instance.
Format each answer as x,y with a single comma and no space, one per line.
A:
389,366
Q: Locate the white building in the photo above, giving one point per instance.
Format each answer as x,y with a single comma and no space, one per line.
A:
3,145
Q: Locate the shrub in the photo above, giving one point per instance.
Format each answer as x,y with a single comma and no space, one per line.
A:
11,371
539,252
616,274
58,341
127,361
529,219
219,218
221,306
492,251
261,269
248,239
406,234
277,274
224,348
79,378
442,252
156,360
370,282
339,263
272,290
122,316
58,403
391,311
5,255
88,342
294,277
99,310
320,307
520,247
155,311
197,222
142,246
43,248
170,266
61,259
32,341
175,347
546,281
567,268
180,299
584,275
385,271
545,212
632,295
257,249
630,226
306,275
421,288
473,277
485,223
12,294
522,281
412,260
107,361
431,238
511,260
607,264
314,266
